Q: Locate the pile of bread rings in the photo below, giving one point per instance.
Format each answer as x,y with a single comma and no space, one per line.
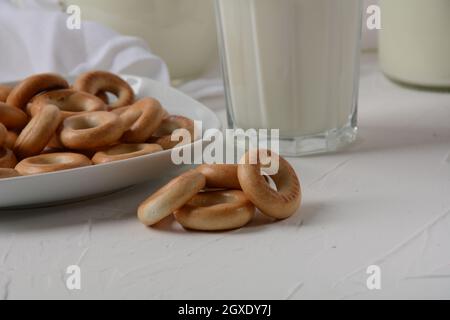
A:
225,197
46,125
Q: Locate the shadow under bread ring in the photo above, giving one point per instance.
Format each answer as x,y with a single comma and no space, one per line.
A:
52,162
7,158
8,173
12,118
216,211
163,136
22,94
96,82
70,102
279,204
91,130
4,92
171,197
125,151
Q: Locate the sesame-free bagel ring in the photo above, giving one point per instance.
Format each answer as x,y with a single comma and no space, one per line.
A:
52,162
4,92
91,130
7,158
171,197
143,118
12,118
95,82
10,141
216,211
125,151
280,203
38,132
163,136
22,94
220,176
8,173
3,134
70,102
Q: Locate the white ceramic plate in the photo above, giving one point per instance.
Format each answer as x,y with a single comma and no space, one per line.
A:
85,182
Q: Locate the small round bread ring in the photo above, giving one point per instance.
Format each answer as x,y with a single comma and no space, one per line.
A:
91,130
10,141
38,132
125,151
216,211
7,158
12,118
142,118
279,204
220,176
4,92
3,135
22,94
171,197
6,173
163,136
100,81
70,102
52,162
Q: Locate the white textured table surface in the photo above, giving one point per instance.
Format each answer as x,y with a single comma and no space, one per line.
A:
384,201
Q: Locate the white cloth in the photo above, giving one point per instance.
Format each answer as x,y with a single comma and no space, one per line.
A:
34,38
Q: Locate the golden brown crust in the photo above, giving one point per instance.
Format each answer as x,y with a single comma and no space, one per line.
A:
7,158
279,204
216,211
38,132
163,136
10,141
22,94
95,82
171,197
12,118
6,173
220,176
91,130
4,92
125,151
70,102
52,162
3,135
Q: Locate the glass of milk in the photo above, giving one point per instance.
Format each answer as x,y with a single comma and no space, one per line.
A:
292,65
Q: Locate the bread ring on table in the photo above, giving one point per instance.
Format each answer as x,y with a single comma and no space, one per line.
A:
10,141
171,197
38,132
3,135
7,158
52,162
163,136
70,102
220,176
4,92
125,151
142,118
95,82
22,94
12,118
216,211
91,130
280,203
6,173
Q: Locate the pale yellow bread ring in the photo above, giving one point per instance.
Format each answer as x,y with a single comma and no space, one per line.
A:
125,151
216,211
6,173
70,102
91,130
52,162
12,118
171,197
95,82
22,94
4,92
278,204
7,158
220,176
163,136
3,135
38,132
142,118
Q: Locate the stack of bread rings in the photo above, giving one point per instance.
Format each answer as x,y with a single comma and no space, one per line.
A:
47,125
225,197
